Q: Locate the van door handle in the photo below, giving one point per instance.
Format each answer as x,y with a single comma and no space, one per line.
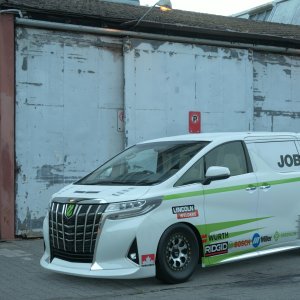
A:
251,188
265,186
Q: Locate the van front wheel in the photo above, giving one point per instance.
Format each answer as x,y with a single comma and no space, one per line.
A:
177,254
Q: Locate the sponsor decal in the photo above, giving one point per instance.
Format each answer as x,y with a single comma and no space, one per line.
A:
69,210
148,260
204,238
279,235
256,240
216,249
265,239
239,244
185,211
218,236
289,160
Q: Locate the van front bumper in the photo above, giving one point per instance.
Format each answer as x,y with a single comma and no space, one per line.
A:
94,270
110,258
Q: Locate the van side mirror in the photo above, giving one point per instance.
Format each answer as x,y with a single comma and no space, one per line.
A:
216,173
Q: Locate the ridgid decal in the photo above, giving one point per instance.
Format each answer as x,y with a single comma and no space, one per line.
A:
289,160
185,211
216,249
148,260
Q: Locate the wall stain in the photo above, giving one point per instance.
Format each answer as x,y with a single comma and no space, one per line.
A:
51,174
258,112
31,83
43,105
259,98
30,226
24,64
137,53
209,48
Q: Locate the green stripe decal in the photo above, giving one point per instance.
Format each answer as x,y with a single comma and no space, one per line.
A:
212,260
229,189
209,228
183,195
238,233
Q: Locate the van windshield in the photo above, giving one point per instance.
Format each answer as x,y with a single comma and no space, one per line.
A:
144,164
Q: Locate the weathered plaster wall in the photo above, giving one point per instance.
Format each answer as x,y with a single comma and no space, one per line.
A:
73,88
69,94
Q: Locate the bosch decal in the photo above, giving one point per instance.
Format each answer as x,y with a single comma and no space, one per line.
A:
239,244
216,249
148,260
186,211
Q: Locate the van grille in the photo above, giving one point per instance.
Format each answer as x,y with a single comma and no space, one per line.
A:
73,230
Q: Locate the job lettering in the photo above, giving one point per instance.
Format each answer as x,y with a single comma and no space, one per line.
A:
289,160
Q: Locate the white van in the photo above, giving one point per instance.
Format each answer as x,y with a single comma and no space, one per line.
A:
163,206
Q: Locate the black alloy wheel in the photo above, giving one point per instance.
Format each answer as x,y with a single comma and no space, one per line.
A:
177,254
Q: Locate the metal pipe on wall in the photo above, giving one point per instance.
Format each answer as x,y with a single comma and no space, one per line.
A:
151,36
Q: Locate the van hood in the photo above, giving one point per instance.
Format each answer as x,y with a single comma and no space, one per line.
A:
105,194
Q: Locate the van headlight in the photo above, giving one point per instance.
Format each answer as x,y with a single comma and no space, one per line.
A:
129,209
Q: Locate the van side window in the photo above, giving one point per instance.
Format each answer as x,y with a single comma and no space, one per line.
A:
281,156
230,155
194,174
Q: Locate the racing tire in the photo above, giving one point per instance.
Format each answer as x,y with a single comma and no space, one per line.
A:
177,254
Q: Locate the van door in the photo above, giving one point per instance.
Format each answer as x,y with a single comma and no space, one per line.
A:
230,205
277,167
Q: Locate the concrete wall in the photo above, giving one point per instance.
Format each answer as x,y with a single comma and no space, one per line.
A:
276,92
71,98
164,81
69,95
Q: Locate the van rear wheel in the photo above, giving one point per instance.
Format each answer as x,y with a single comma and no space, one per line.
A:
177,254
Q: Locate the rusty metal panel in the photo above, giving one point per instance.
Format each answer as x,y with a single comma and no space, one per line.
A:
276,92
69,93
164,81
7,128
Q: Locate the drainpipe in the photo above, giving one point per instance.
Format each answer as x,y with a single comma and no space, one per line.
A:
151,36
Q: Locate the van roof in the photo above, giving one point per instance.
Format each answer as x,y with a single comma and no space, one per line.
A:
223,136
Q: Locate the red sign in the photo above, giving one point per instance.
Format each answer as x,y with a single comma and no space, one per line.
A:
194,122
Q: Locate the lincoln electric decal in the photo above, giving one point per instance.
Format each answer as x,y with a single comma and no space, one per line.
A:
186,211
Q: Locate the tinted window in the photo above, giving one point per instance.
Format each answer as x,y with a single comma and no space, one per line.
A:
145,164
195,174
230,155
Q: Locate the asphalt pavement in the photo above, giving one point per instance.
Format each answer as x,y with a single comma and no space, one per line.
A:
270,277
